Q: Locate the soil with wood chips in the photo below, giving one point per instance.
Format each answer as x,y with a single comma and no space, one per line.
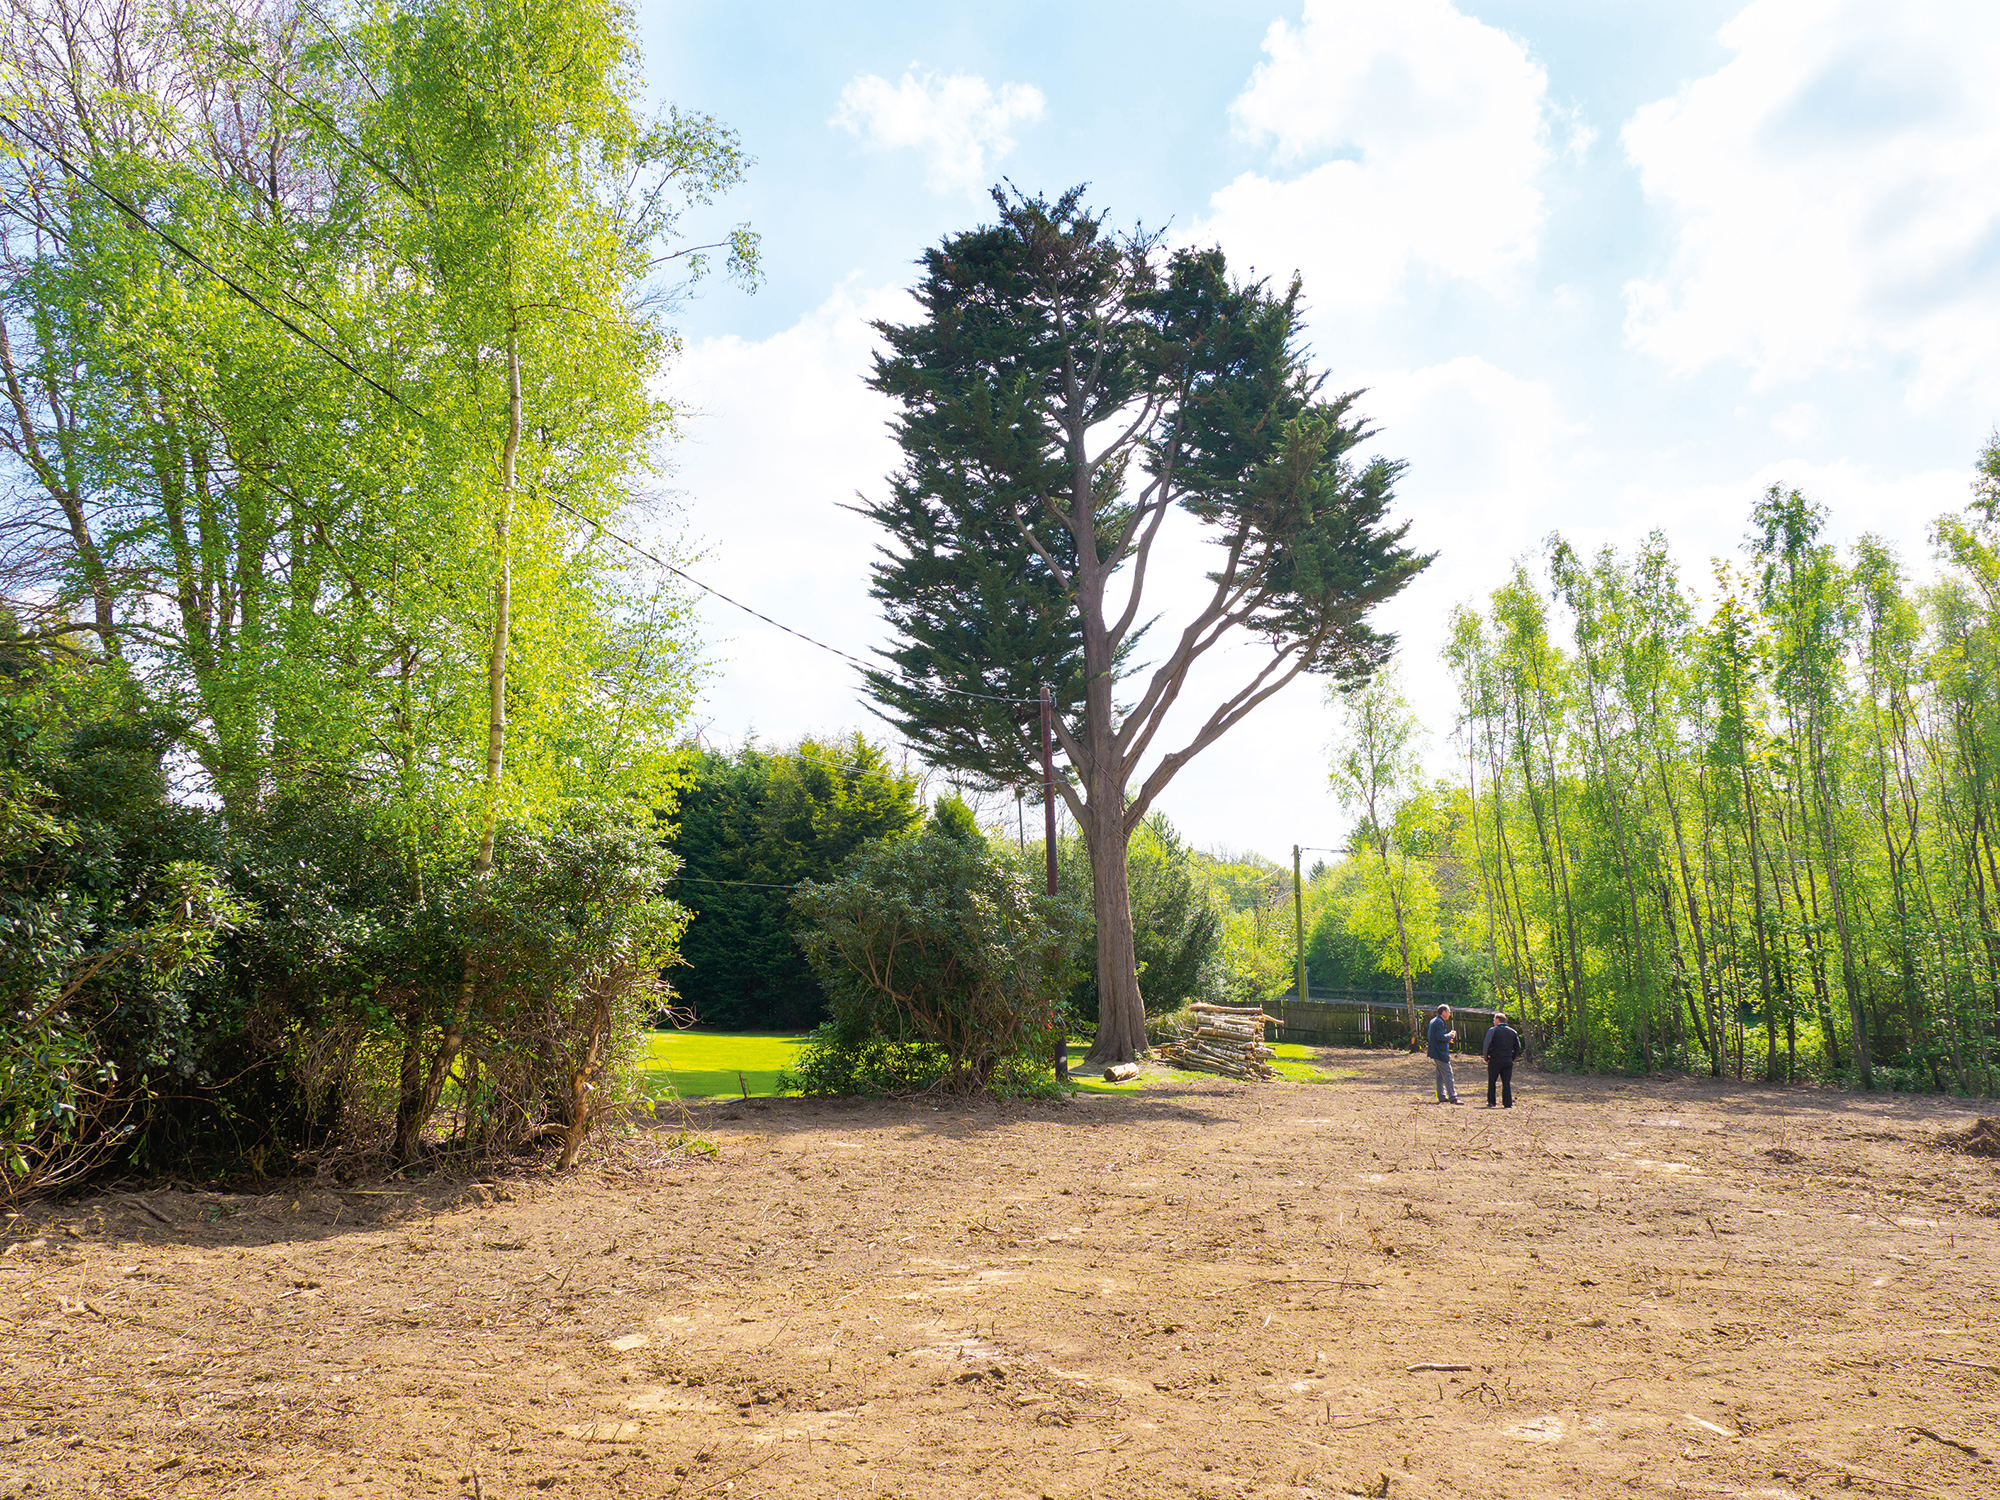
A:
1644,1287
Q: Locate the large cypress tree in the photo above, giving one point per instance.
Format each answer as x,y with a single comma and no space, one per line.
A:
1065,390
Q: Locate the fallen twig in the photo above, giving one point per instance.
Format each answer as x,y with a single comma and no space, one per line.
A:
1938,1359
1937,1437
140,1203
1312,1281
1441,1369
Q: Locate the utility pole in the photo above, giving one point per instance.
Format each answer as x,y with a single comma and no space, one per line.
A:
1049,836
1299,920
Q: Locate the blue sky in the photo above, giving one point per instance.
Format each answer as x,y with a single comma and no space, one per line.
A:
1603,268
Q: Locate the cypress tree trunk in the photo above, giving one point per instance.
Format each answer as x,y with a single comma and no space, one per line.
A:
1121,1010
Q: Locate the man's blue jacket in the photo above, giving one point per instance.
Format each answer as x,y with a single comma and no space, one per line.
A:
1440,1037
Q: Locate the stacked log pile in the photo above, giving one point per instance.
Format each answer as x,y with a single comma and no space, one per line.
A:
1227,1039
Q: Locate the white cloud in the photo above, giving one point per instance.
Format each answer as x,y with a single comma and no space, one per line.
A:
1438,127
780,434
1799,423
956,122
1832,191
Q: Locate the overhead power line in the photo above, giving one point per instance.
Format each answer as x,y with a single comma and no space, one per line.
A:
195,258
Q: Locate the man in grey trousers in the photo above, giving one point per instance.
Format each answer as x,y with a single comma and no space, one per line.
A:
1441,1037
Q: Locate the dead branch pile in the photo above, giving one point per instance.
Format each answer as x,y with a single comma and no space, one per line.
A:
1225,1039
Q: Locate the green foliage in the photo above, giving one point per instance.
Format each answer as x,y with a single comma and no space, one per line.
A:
570,941
952,816
1256,953
354,981
942,964
111,924
841,1060
1759,842
350,578
1351,941
752,825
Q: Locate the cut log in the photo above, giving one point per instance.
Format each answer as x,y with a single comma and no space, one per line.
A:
1121,1072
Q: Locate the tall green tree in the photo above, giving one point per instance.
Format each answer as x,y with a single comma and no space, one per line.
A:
1801,588
329,355
750,826
1376,772
1066,390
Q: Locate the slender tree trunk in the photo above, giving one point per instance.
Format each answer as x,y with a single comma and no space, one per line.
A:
58,475
1578,1008
1810,933
1850,978
1557,880
1638,970
1694,1012
1693,908
1757,916
1402,939
1479,852
503,604
1520,956
409,1130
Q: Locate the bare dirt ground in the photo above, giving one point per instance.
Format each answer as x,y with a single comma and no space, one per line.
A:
1658,1288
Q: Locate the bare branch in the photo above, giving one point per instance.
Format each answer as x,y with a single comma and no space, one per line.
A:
1225,718
1185,651
1027,532
1144,554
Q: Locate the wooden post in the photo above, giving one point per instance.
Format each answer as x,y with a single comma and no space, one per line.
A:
1049,836
1299,920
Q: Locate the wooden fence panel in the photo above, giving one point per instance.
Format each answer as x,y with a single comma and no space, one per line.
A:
1380,1020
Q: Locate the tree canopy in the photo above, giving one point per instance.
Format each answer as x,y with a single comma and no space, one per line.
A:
1066,390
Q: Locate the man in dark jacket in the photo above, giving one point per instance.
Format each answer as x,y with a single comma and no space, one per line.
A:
1441,1038
1503,1045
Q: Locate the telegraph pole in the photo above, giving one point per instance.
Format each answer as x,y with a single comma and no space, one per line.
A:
1049,788
1299,920
1049,836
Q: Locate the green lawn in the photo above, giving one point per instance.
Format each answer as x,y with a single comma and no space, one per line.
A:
705,1064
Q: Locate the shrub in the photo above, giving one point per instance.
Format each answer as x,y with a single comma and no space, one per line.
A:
109,920
951,815
942,965
573,940
547,970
